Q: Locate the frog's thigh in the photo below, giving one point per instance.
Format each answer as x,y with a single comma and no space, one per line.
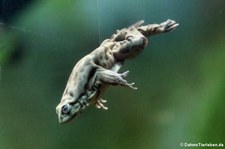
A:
130,44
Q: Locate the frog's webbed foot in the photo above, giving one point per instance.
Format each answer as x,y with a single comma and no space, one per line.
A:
167,26
130,85
99,104
125,83
153,29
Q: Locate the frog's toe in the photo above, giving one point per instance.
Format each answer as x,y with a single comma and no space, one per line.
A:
172,27
123,75
130,85
102,100
99,104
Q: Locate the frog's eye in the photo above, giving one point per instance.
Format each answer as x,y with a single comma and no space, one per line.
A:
66,109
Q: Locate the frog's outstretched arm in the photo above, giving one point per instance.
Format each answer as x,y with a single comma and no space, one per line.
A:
104,76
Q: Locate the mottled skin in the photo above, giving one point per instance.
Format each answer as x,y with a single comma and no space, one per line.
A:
97,70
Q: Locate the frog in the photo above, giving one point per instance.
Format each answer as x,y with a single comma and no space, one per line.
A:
99,69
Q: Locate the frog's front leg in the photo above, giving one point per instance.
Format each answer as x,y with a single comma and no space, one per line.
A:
105,76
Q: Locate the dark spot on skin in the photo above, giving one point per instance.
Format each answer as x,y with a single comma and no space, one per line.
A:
96,61
105,50
101,57
106,57
71,94
81,70
104,65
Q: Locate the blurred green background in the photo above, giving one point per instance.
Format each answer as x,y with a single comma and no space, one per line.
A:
180,76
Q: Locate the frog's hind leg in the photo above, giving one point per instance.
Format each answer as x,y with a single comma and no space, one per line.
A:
153,29
133,44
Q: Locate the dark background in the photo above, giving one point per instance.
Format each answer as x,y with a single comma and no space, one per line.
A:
180,75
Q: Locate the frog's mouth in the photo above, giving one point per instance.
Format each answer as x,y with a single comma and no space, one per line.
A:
68,118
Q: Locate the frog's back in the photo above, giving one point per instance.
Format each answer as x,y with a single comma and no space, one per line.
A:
81,74
103,57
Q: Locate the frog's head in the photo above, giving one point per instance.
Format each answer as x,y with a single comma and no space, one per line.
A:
69,108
